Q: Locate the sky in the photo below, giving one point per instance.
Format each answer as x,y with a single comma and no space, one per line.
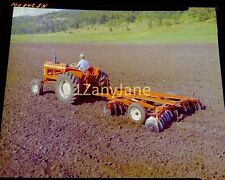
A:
21,11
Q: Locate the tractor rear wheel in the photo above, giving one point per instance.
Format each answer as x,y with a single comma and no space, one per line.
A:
68,88
36,87
103,80
137,113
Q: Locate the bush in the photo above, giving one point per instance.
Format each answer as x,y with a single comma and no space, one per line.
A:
150,25
167,22
110,29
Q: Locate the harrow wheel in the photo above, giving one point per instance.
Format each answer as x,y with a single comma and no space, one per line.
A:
137,113
152,124
68,88
36,87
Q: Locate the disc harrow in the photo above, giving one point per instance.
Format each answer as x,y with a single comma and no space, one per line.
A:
159,110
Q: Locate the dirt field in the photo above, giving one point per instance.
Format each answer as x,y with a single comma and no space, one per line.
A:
43,137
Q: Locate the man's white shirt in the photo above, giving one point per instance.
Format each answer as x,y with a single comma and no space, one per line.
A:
83,64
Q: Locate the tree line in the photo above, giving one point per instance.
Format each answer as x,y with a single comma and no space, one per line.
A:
75,19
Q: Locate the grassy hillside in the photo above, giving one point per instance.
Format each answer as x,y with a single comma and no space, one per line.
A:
195,32
69,26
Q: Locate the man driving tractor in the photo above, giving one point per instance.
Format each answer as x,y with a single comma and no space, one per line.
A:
83,64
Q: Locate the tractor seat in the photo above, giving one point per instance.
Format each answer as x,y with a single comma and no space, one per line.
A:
90,69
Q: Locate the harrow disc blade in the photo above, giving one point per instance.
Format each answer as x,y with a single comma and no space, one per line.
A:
163,123
180,117
175,113
161,128
203,107
196,107
121,109
106,110
167,117
152,124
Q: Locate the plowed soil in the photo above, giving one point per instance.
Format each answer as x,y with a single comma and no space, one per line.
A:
43,137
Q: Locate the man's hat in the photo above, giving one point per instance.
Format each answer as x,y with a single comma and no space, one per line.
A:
81,55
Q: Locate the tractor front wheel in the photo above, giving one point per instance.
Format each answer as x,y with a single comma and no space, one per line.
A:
36,87
68,88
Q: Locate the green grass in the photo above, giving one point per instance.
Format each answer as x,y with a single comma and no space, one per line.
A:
139,33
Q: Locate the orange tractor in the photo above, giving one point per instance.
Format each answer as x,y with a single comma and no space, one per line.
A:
70,81
156,110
